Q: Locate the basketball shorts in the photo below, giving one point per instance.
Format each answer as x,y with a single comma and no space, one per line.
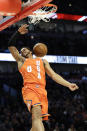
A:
34,95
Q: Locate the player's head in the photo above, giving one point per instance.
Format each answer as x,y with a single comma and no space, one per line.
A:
26,52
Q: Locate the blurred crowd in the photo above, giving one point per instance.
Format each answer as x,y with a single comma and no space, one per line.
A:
68,109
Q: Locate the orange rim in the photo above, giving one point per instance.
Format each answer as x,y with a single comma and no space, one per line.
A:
53,10
50,5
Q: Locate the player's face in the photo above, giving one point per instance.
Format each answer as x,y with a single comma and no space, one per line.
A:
26,52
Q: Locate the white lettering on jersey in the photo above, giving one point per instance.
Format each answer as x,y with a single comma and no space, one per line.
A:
38,69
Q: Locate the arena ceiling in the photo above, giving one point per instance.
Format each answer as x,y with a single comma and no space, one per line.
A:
78,7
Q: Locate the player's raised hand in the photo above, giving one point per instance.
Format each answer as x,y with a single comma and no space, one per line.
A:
73,87
23,29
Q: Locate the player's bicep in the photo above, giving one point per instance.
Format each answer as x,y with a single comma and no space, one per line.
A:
15,53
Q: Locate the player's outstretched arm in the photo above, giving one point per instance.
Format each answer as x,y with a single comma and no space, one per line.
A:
11,45
57,78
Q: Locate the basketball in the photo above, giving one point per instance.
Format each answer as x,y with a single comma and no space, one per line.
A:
40,49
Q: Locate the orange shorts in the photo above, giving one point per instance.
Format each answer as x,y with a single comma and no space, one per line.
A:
36,95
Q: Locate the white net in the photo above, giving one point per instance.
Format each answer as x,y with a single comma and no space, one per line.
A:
36,19
42,14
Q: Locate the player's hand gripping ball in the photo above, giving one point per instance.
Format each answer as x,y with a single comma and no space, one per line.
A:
40,49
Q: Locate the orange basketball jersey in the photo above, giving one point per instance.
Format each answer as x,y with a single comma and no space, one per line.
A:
33,72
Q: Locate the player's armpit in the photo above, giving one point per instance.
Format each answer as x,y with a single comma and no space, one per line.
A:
15,53
50,72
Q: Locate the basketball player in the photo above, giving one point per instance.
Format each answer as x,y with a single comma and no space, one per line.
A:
33,73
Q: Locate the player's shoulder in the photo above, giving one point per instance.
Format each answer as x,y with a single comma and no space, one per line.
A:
45,61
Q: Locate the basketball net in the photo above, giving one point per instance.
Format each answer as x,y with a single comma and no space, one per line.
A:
42,14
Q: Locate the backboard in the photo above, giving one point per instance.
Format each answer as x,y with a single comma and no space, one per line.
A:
9,20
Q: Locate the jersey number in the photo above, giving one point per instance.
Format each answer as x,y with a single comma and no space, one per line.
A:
29,69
